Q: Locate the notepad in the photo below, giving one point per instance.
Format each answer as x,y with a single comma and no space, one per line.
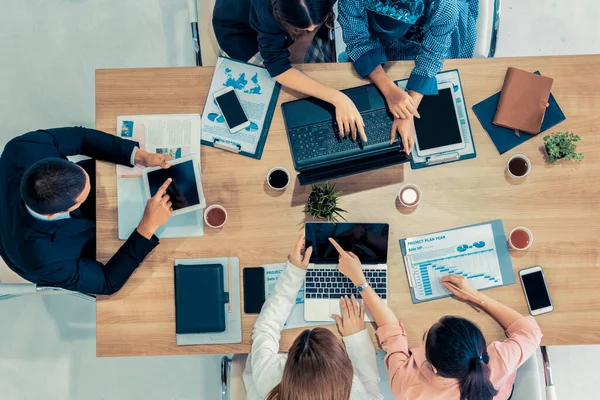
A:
199,299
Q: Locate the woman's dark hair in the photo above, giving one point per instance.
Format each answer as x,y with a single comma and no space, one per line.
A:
457,349
317,368
52,185
298,15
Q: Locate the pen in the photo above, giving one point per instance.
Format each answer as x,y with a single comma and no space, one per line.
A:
229,280
478,301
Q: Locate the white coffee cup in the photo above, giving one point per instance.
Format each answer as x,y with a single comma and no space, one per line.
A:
410,195
521,157
529,234
278,169
208,209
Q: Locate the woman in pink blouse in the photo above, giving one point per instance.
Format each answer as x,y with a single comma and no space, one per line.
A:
454,361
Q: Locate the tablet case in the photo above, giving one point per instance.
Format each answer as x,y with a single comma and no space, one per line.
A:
452,76
233,319
200,299
523,101
506,267
267,124
131,200
505,139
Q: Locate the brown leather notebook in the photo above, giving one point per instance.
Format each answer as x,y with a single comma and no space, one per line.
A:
523,101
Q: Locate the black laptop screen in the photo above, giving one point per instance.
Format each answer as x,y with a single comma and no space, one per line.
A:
368,241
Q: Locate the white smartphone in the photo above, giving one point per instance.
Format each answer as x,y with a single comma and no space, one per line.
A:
439,129
536,290
232,110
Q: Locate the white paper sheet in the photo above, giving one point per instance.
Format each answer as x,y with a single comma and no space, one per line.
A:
175,134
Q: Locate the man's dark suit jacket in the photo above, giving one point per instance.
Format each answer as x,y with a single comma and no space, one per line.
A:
52,252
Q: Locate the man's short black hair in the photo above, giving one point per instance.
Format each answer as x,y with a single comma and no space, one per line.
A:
52,185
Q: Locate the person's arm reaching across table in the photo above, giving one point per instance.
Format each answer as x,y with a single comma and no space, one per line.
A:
524,334
269,324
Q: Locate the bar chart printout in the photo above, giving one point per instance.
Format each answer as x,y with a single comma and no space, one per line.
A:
470,252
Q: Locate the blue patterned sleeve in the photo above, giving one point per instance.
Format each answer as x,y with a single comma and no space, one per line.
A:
435,47
363,49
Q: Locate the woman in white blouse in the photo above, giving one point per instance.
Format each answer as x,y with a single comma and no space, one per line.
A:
318,365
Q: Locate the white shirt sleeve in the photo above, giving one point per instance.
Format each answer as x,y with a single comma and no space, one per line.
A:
364,361
266,364
132,158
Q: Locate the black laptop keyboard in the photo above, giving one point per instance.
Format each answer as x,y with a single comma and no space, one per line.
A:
323,139
328,283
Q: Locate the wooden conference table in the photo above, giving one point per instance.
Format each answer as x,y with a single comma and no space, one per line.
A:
559,203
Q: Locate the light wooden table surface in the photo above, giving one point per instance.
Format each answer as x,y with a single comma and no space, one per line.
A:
559,203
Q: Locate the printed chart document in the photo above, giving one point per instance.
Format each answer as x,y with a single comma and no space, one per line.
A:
296,318
469,251
177,135
258,94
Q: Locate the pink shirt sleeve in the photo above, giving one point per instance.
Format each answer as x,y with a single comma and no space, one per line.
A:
524,337
393,340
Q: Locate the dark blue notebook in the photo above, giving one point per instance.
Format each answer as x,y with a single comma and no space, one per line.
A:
199,299
504,138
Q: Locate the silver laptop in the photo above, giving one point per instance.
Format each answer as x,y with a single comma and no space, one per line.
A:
325,285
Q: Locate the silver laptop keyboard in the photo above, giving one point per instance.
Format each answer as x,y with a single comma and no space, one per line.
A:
328,283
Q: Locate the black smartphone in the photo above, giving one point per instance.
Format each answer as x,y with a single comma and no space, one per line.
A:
536,290
254,289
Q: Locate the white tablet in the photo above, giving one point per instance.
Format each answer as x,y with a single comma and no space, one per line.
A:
438,130
185,191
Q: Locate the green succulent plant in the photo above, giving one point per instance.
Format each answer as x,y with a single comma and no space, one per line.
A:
561,145
322,203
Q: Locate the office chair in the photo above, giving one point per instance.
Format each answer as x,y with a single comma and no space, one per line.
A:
193,12
12,285
488,24
527,382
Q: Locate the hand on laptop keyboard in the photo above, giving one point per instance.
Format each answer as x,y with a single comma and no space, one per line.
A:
349,120
353,316
406,129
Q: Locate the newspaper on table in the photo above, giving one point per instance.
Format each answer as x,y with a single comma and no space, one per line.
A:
296,318
255,88
177,135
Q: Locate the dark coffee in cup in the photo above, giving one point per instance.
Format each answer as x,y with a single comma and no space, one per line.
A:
278,178
518,166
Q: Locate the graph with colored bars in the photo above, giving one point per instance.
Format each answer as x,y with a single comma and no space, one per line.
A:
480,267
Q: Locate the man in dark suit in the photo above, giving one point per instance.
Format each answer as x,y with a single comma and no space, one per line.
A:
47,215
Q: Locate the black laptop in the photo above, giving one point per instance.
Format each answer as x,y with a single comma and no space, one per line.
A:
318,151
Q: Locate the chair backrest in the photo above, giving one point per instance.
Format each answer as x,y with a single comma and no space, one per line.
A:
488,23
232,371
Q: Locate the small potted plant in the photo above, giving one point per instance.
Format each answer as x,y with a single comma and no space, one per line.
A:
322,203
561,146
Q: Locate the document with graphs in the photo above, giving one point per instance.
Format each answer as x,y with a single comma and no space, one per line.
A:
470,251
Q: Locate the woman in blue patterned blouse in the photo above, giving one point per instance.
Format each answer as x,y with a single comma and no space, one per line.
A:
427,31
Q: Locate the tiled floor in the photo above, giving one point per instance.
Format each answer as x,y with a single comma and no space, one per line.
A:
49,52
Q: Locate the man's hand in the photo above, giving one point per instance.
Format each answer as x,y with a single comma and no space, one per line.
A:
406,128
152,160
353,316
158,211
349,264
400,103
300,257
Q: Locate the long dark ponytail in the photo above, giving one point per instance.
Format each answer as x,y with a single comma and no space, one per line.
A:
298,15
457,349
